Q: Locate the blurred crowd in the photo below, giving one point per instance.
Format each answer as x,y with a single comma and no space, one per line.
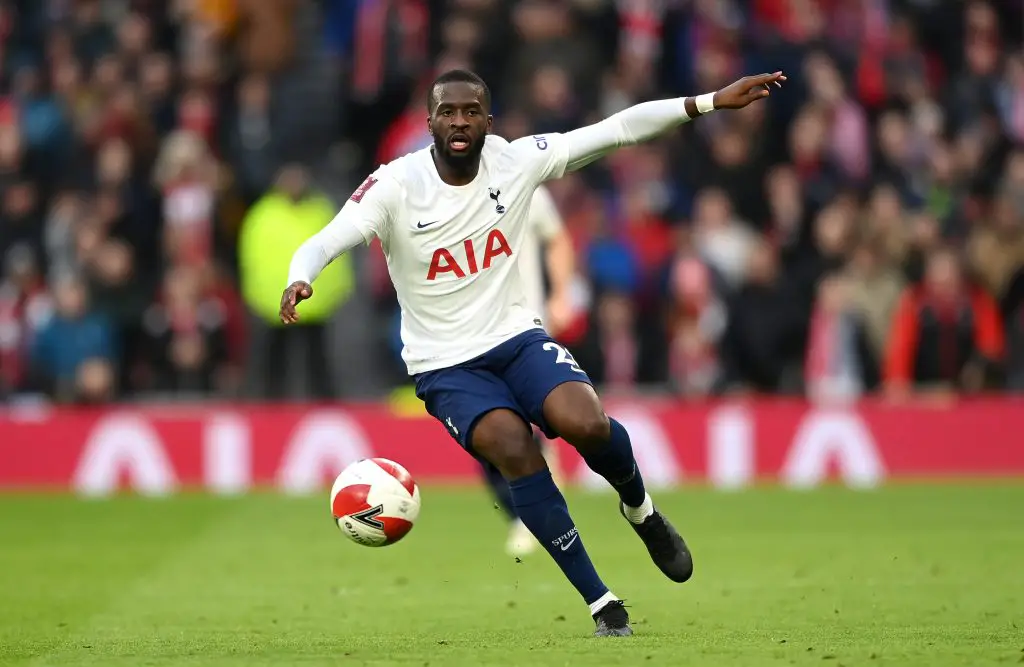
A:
861,231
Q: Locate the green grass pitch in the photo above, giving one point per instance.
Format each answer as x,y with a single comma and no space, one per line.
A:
927,575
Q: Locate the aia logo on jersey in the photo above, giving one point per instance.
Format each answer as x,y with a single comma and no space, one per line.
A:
361,191
444,261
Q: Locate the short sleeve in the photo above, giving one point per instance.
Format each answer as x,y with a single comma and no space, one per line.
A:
542,156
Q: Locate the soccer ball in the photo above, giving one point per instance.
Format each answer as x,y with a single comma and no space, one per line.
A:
375,502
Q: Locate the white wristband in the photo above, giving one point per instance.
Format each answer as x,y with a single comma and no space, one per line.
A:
705,102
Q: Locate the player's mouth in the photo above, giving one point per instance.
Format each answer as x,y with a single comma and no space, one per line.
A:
458,143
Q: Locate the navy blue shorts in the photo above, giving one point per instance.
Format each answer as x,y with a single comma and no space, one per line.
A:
516,375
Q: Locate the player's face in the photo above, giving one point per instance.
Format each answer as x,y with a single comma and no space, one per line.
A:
459,122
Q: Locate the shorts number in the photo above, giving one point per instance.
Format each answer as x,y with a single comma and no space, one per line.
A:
563,356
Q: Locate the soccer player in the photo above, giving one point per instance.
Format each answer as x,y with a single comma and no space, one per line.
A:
545,231
451,219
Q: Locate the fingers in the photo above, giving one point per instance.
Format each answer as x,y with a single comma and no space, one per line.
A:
761,85
753,95
770,78
292,297
766,80
288,314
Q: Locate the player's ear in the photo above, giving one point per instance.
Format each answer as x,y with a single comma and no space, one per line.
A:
430,128
490,122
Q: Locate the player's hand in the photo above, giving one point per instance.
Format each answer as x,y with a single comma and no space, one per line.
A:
296,293
748,89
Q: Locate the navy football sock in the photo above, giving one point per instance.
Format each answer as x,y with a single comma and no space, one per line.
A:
499,487
540,505
616,464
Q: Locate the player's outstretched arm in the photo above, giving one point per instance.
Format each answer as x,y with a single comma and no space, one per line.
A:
366,214
310,259
645,121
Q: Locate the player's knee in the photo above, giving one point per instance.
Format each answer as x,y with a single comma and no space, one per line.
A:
505,440
520,459
587,430
516,455
574,412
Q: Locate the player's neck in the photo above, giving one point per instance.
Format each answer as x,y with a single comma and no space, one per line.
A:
455,174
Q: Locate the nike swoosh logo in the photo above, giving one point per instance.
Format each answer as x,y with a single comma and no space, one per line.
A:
565,547
422,225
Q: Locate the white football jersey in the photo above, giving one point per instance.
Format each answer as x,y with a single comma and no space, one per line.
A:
453,251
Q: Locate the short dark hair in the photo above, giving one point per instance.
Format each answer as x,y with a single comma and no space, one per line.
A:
457,76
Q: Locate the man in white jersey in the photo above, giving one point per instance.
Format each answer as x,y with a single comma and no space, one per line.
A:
549,248
451,219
